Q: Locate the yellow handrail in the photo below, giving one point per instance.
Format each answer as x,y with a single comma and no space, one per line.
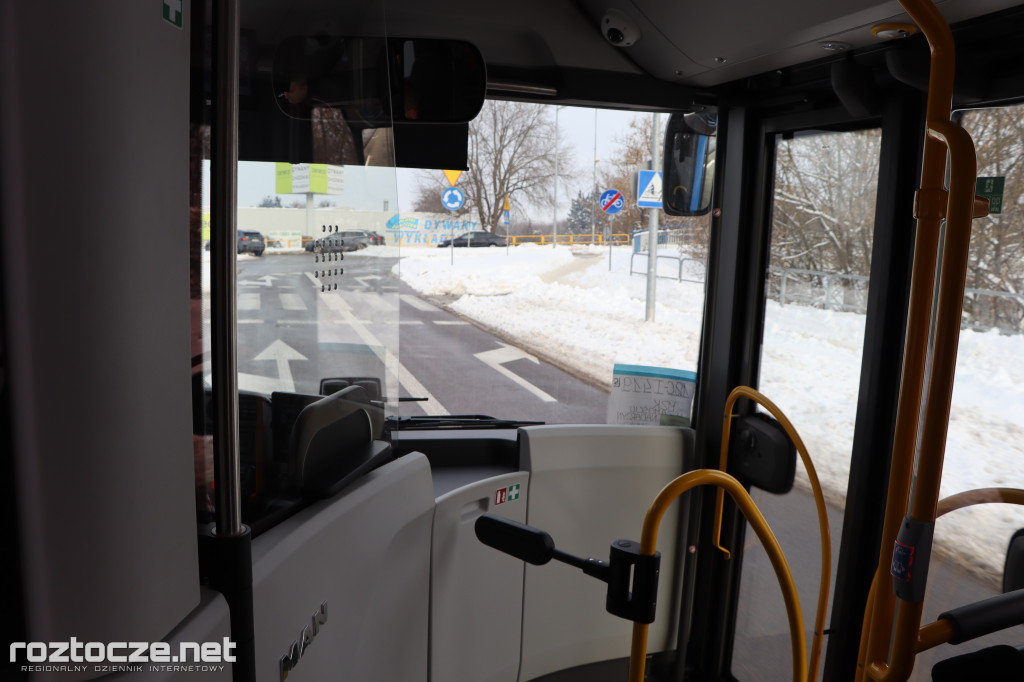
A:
648,545
941,631
969,498
819,501
958,211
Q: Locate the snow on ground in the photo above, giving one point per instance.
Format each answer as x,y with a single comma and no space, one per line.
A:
570,306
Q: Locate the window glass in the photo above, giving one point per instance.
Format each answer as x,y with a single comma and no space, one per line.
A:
821,236
317,300
810,365
349,271
542,292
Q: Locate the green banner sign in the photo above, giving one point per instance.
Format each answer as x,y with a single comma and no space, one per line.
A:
991,189
308,178
282,178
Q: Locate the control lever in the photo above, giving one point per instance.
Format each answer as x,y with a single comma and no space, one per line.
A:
632,577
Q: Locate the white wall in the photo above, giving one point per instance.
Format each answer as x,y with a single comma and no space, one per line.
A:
398,228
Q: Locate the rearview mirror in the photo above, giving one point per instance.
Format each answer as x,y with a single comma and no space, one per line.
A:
689,166
376,81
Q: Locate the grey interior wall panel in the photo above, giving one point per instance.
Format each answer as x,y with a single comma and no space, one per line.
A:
208,622
589,486
476,592
94,182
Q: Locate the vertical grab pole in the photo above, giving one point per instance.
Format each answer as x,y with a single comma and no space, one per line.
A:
225,554
224,185
958,211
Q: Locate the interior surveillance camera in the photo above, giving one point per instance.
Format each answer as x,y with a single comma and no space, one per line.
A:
619,29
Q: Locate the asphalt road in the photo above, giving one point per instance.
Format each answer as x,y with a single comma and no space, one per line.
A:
297,325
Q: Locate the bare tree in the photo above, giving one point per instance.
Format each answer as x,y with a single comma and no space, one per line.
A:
996,260
824,210
511,153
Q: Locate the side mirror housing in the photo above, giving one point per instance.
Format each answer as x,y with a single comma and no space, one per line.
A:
689,163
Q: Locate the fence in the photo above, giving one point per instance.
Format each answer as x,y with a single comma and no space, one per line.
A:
682,238
516,239
987,310
984,310
830,291
697,272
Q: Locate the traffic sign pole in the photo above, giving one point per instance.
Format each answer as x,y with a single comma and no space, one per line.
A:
452,199
652,239
611,202
611,231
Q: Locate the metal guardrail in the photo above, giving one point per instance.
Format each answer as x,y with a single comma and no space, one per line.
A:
834,293
829,300
681,259
570,239
998,295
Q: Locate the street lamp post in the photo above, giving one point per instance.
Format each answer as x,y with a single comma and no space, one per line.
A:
593,191
554,212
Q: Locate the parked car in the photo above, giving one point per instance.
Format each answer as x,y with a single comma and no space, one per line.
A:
475,238
251,242
376,239
346,240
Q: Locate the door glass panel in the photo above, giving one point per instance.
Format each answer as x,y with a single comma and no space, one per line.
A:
822,226
985,441
316,297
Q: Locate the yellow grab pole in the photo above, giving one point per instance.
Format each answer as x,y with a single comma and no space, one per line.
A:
940,97
648,545
958,210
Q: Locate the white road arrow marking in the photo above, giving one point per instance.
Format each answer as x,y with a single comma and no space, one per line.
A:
264,281
362,280
497,357
282,353
405,378
292,302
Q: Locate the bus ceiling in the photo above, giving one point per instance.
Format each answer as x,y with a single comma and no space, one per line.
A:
618,53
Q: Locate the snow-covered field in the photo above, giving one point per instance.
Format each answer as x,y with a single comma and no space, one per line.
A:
569,305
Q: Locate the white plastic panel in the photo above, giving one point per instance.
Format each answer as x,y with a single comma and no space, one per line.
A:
476,591
367,554
589,486
94,133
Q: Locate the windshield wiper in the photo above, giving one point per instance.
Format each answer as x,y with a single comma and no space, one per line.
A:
456,421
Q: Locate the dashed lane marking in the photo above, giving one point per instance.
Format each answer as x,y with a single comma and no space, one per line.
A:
419,304
292,302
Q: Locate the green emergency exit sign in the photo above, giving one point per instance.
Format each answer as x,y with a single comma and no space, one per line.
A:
172,12
991,189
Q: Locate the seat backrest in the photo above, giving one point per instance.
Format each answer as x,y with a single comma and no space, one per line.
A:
332,443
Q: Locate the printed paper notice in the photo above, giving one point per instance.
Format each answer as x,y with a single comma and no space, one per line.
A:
656,396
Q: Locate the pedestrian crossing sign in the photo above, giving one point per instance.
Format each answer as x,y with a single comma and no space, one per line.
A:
648,189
